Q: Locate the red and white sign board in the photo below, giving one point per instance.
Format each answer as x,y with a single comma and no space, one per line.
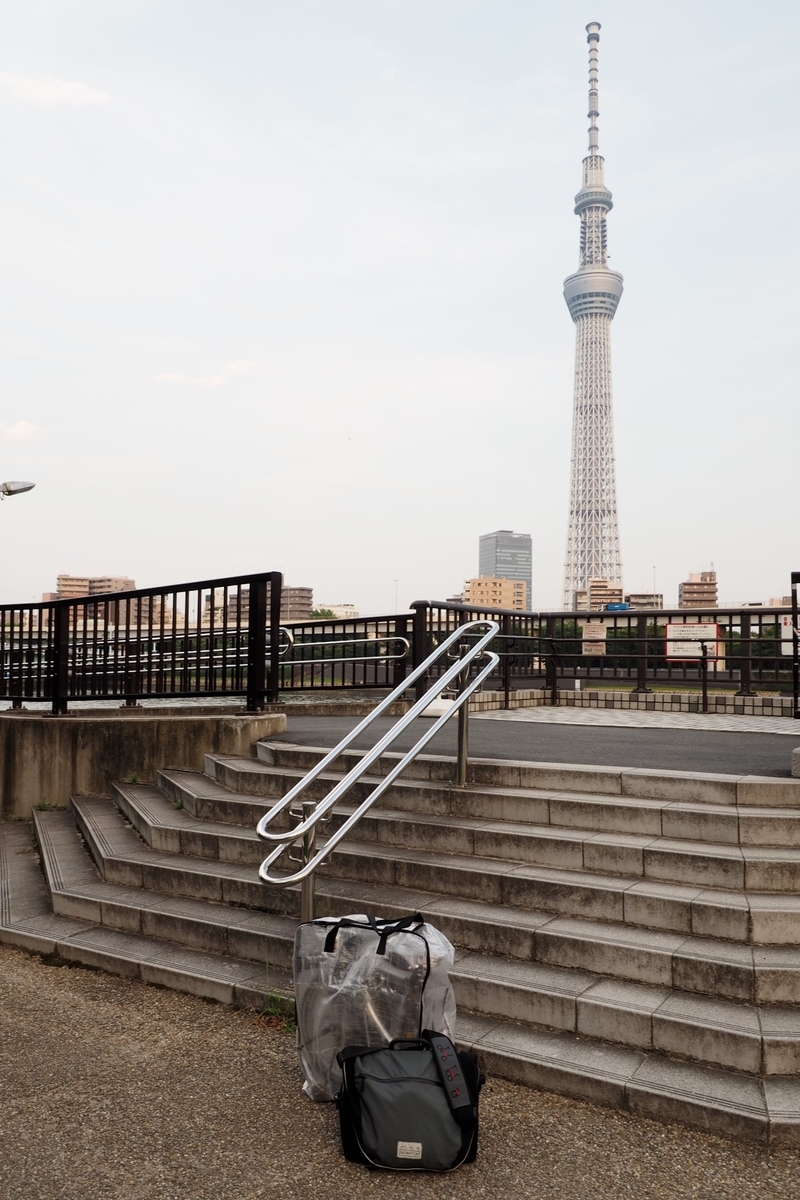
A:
786,633
683,641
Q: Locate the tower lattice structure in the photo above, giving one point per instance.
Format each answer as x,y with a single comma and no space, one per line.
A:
592,295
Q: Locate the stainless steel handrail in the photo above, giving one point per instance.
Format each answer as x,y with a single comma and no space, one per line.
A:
287,649
349,658
457,674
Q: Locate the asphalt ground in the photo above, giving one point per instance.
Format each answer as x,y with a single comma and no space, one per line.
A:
663,749
113,1090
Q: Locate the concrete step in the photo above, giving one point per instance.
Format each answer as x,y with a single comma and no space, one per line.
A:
724,824
152,960
698,863
26,913
687,787
172,829
715,1032
758,918
645,1082
707,965
203,797
78,890
738,1035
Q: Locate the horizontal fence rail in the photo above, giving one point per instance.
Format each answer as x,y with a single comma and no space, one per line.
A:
366,652
224,637
213,637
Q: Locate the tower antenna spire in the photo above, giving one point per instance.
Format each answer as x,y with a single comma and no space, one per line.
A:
593,38
592,295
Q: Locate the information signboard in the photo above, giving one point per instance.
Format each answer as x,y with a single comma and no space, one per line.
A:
593,641
684,641
787,643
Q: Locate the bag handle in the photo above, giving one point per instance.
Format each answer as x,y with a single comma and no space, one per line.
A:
349,1052
384,927
448,1065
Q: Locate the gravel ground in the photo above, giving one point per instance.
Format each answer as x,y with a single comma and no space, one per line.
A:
112,1089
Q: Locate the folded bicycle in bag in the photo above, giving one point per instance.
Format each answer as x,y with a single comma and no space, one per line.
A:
363,980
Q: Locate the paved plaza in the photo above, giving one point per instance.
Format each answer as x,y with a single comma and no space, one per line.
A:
603,737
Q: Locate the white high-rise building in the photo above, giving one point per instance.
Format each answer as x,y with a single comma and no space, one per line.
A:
592,295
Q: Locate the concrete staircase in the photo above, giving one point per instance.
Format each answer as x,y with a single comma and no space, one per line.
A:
627,937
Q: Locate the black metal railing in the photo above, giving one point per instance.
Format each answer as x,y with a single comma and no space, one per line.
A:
795,648
223,637
214,637
728,649
732,649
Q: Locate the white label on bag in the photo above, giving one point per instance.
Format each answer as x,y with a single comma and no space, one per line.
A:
409,1149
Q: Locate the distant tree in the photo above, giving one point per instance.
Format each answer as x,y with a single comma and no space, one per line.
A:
322,612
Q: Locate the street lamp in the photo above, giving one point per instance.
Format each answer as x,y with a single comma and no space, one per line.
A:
14,487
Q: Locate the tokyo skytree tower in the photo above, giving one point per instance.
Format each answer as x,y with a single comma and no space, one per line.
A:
592,295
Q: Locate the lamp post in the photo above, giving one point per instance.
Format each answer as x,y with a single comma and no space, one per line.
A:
13,488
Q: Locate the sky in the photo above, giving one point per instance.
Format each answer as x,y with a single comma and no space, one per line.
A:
281,289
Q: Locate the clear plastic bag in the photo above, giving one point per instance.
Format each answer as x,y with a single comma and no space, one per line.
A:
377,980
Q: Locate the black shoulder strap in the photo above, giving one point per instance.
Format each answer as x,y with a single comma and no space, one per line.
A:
455,1085
384,927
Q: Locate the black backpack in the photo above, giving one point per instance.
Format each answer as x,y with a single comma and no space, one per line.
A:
411,1105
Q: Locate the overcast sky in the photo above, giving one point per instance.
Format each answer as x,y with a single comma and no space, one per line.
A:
281,288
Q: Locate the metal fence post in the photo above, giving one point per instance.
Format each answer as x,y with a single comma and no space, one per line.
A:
795,650
704,674
506,663
60,617
257,644
400,666
420,643
275,598
641,654
552,661
745,656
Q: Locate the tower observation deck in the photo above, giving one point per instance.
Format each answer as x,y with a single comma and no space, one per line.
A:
592,295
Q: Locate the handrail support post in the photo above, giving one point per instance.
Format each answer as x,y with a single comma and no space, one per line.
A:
308,885
463,745
462,760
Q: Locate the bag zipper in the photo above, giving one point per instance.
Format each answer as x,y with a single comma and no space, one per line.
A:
362,1075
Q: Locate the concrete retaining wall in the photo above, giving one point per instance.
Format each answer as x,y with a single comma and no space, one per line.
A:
45,760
